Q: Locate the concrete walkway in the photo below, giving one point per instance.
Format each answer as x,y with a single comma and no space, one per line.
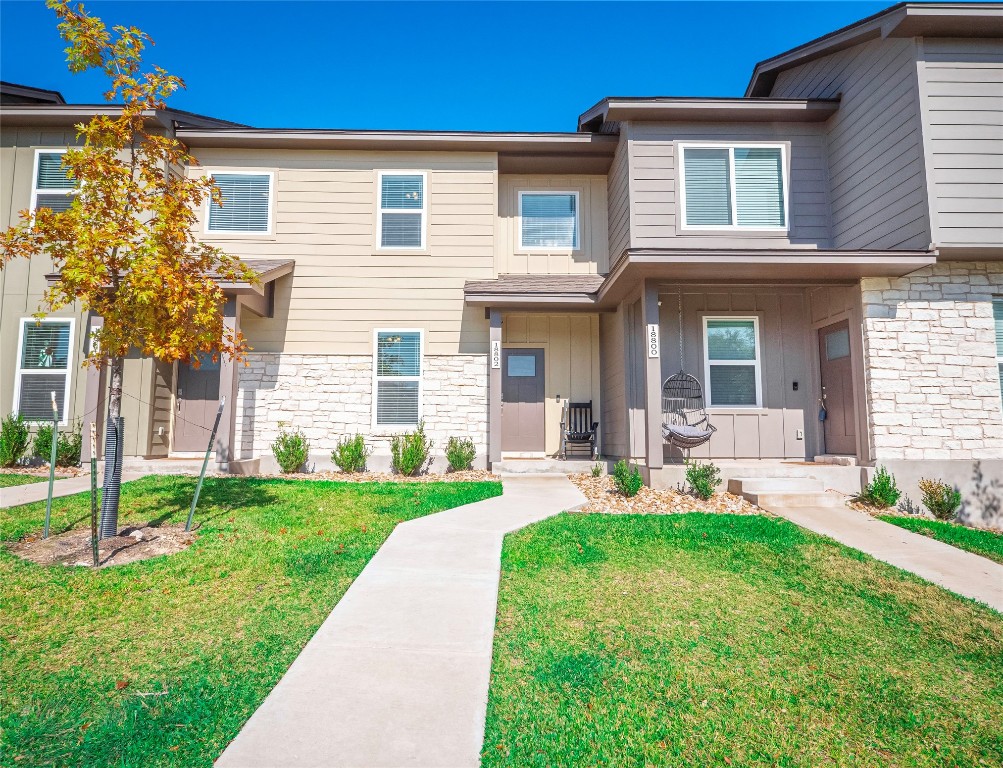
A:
398,673
962,572
26,494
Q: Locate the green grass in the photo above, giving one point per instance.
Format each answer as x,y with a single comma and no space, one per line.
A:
10,479
214,626
985,543
706,640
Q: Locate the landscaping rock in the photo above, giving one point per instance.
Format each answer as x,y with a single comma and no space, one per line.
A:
603,497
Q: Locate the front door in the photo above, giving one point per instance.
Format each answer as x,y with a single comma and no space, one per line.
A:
522,401
197,403
840,425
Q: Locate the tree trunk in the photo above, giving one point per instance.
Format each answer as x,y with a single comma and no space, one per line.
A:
112,452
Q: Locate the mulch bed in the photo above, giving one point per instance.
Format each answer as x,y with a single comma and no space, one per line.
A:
464,476
73,548
42,472
603,497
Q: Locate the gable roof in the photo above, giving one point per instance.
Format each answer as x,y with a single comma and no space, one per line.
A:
12,93
902,20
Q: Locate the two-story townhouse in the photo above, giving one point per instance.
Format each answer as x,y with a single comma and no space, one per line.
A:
831,245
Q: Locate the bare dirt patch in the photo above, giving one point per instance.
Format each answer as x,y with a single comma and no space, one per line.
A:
73,548
42,471
603,497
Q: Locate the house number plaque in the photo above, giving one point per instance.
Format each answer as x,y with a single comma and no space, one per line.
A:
496,354
653,340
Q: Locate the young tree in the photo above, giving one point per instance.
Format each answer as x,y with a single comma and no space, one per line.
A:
125,248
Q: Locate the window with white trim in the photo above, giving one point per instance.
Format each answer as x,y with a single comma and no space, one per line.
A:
548,220
402,211
998,317
247,203
397,375
52,187
43,367
732,365
733,186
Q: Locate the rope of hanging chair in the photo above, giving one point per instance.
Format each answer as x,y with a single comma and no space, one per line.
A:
679,296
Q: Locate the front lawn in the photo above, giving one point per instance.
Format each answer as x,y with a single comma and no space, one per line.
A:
10,479
696,640
985,543
160,662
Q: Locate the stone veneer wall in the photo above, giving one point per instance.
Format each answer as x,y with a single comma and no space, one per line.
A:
933,387
329,396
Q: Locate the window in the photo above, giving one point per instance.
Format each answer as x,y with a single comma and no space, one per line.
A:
397,378
53,188
548,220
43,367
740,187
732,362
247,202
998,317
402,210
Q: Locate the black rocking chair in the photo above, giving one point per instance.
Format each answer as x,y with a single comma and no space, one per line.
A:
577,428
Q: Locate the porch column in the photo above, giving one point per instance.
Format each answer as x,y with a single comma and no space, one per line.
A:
494,386
94,393
652,376
229,379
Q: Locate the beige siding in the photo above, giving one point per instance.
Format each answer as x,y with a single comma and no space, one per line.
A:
617,192
961,84
571,360
874,142
654,182
344,286
613,380
589,258
785,338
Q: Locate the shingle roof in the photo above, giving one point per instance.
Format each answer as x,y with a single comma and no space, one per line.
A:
535,285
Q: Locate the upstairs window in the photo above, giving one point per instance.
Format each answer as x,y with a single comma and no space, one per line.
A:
246,205
548,220
43,367
733,187
402,210
53,188
732,362
398,378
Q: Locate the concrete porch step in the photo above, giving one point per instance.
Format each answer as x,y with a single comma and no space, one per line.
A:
787,499
769,492
543,466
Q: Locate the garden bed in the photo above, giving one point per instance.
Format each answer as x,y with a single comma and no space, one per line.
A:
603,497
462,476
135,543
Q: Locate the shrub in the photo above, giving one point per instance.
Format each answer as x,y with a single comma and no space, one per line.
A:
882,491
68,445
460,453
940,498
410,451
703,479
291,449
597,469
350,454
627,478
13,439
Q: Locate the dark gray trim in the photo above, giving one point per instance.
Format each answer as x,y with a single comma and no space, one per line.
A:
617,109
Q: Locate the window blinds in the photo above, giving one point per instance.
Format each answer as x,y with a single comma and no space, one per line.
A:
398,374
549,220
759,187
708,187
245,203
402,201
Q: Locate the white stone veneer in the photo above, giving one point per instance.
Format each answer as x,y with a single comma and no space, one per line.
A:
329,396
933,386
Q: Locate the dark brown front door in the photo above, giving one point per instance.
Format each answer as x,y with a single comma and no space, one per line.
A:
197,403
522,401
840,425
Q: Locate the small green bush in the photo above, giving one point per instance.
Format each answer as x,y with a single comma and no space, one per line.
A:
627,478
703,479
460,452
882,491
597,469
940,498
68,445
13,439
350,454
410,451
291,449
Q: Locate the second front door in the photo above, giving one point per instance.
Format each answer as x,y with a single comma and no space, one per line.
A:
522,401
840,425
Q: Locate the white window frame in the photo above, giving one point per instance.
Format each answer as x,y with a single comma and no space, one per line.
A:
240,232
35,191
999,349
731,147
576,246
390,428
19,371
707,363
423,211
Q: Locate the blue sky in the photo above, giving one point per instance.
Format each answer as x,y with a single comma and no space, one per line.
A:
530,66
